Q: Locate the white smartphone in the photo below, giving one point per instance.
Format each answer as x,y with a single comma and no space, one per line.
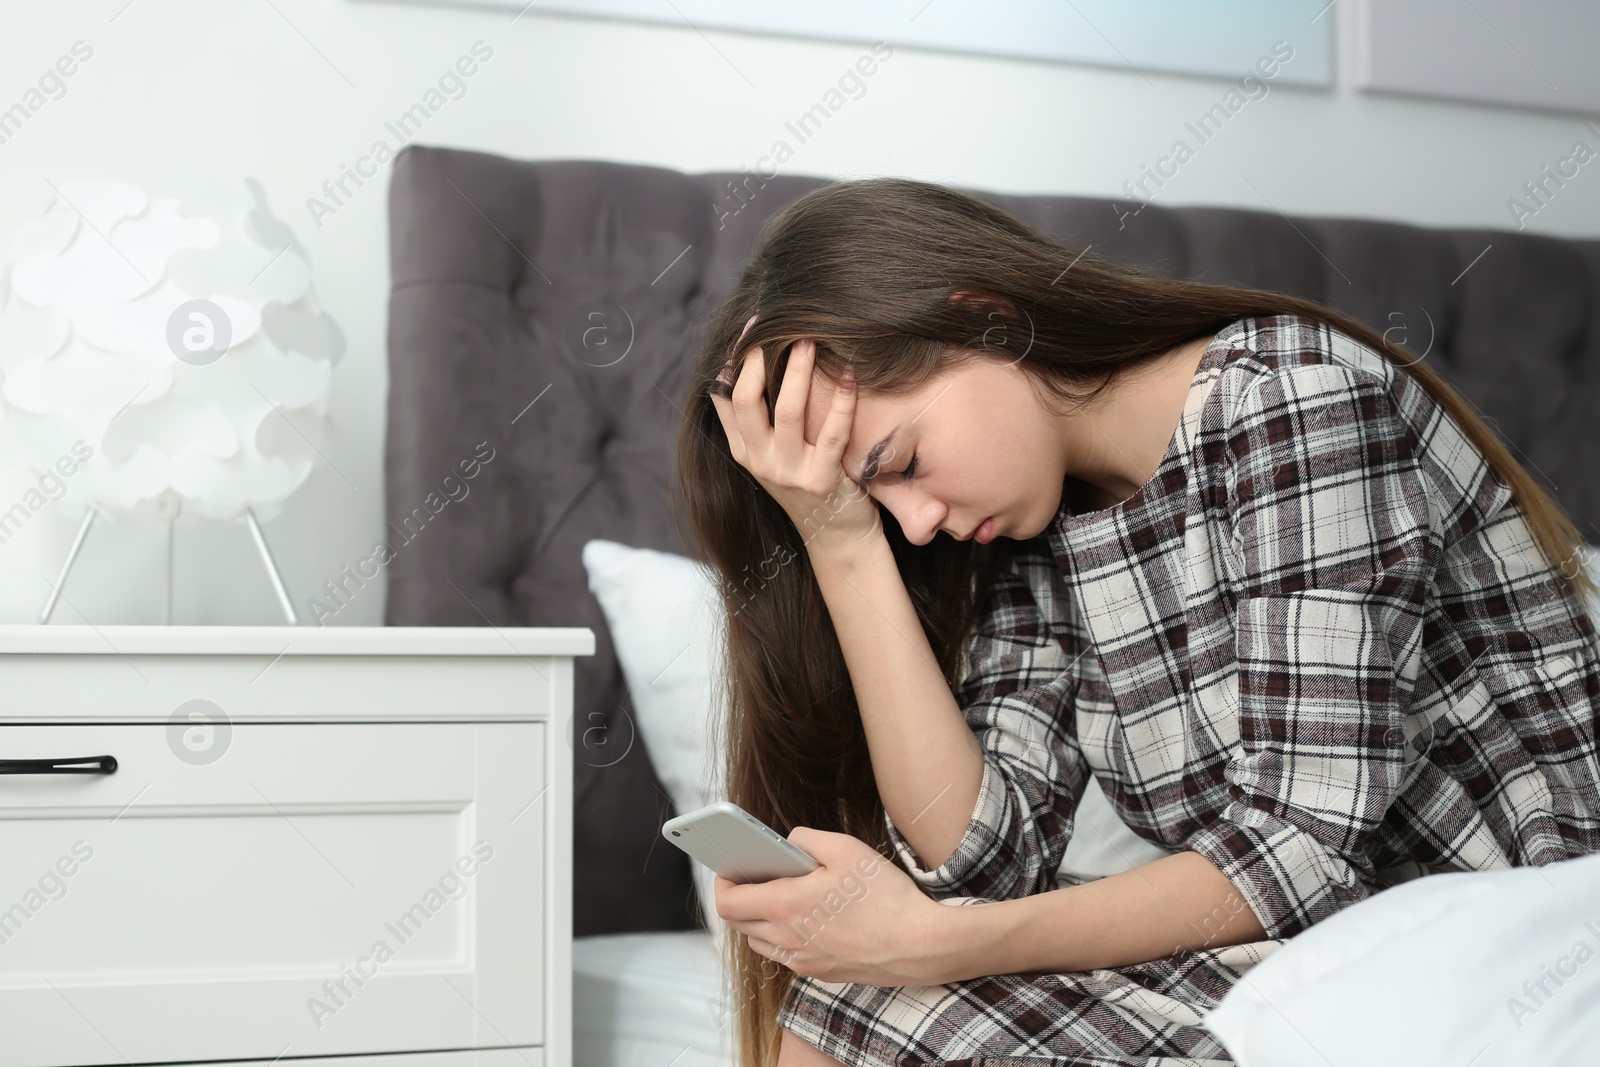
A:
736,844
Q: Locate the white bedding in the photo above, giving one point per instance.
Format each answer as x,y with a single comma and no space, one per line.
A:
1498,968
649,1000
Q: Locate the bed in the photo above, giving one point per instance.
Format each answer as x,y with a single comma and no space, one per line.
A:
547,307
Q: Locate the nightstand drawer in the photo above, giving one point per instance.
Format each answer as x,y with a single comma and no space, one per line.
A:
269,686
318,889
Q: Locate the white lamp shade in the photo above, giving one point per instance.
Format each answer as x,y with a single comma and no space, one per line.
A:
178,341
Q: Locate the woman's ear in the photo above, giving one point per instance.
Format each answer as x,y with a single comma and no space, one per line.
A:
1009,334
984,300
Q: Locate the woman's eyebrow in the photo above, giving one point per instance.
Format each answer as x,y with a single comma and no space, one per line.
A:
873,456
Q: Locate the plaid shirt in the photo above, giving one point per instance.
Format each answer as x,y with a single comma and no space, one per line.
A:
1319,647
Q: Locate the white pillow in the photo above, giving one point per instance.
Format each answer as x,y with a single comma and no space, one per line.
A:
1440,969
666,622
1102,844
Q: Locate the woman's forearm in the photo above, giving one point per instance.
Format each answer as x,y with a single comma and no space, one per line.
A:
927,762
1176,903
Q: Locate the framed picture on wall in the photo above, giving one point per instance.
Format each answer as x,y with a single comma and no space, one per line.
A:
1221,38
1523,53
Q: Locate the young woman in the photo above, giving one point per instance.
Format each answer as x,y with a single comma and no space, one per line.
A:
993,514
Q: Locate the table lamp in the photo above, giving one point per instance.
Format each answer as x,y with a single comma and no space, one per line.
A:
160,355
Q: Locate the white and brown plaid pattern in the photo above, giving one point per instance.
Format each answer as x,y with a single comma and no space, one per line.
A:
1320,647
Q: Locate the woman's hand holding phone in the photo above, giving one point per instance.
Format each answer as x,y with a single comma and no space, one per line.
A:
857,918
823,904
807,479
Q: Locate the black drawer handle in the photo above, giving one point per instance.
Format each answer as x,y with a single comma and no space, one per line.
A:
81,765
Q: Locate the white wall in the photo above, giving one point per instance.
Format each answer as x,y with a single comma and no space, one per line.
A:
289,91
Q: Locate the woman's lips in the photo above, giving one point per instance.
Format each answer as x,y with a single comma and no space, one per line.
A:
985,531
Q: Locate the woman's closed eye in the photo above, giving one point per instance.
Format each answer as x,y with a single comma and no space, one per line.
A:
905,475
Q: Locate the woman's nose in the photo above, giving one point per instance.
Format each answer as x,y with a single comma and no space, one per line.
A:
918,513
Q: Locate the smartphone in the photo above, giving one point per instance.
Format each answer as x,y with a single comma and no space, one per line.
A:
736,844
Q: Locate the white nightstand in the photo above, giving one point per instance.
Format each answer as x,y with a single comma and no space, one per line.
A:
314,843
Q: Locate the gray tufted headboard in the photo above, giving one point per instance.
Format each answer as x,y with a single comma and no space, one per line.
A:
541,311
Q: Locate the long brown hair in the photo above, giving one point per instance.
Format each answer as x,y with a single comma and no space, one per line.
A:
899,279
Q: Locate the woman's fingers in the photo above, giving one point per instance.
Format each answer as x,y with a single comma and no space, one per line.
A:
835,432
731,430
789,413
798,474
749,410
764,939
730,427
763,930
749,902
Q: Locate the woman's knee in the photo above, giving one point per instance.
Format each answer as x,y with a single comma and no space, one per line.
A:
798,1052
